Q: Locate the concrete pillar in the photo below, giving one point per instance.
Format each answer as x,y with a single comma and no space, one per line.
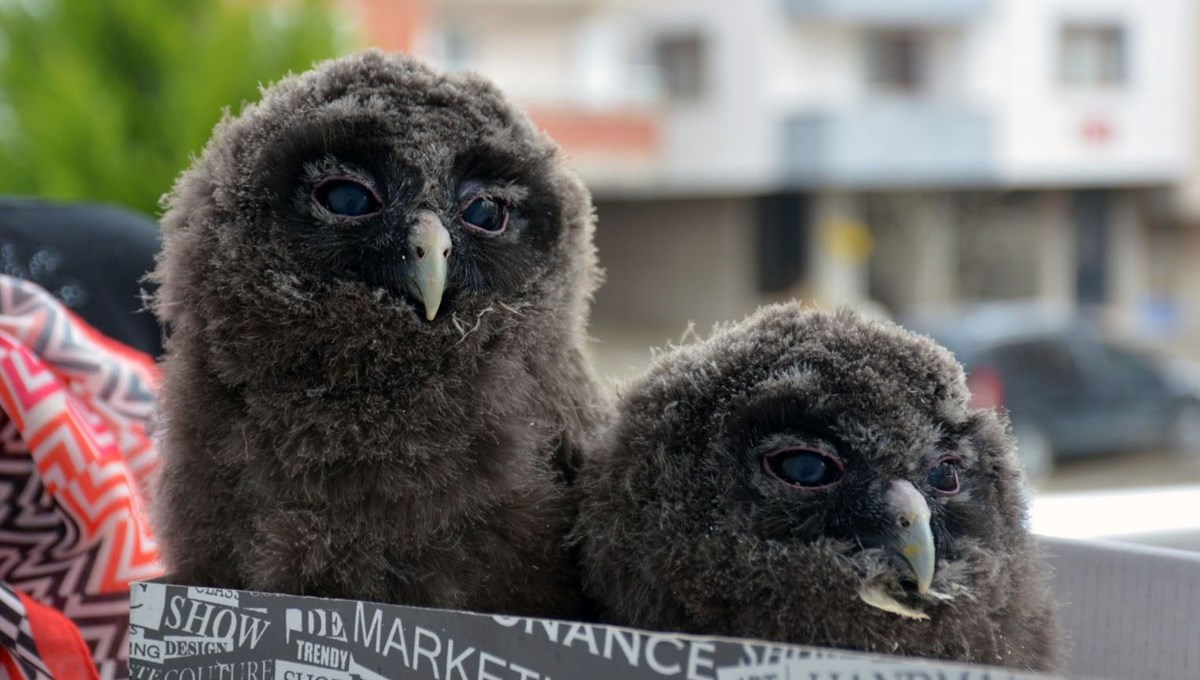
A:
1055,247
840,250
1128,262
1187,285
933,250
916,257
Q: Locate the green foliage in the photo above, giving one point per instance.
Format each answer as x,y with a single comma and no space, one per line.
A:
109,99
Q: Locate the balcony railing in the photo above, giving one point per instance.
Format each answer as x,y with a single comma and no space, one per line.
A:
889,144
888,11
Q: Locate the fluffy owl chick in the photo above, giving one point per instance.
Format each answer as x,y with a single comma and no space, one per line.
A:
821,479
376,281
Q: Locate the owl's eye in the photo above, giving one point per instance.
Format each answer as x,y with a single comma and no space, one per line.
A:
943,476
804,468
346,197
486,215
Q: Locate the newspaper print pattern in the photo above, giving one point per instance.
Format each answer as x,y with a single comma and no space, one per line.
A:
181,633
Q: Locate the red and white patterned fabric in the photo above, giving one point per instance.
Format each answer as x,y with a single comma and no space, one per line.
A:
74,461
37,642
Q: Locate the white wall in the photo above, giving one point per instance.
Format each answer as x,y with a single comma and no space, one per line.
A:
727,140
821,68
767,66
1040,121
543,53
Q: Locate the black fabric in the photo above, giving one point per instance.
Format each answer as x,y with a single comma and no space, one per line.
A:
90,256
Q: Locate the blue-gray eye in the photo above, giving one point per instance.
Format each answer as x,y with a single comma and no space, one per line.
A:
805,468
346,197
943,476
486,215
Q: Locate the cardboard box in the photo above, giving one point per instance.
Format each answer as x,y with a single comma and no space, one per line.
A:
1130,610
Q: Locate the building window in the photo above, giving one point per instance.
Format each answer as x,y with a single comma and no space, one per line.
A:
681,64
895,61
1092,55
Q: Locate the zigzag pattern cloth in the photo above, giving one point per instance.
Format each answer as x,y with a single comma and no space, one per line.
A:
16,634
75,458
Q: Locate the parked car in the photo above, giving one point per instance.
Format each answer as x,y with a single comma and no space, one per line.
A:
1069,389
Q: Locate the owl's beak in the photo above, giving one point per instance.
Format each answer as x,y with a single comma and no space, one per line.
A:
913,538
429,246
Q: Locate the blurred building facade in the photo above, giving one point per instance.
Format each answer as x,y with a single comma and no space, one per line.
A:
843,151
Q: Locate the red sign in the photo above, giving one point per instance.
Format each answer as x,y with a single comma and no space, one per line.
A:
1097,131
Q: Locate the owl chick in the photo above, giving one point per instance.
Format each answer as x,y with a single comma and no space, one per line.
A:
816,478
376,281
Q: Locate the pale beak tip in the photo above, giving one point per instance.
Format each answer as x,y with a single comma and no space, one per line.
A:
914,539
430,246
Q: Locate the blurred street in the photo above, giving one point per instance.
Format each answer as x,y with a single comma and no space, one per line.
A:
622,352
1036,210
1124,471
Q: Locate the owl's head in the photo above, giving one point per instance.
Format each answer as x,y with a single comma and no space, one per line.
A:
810,477
374,193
